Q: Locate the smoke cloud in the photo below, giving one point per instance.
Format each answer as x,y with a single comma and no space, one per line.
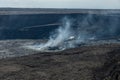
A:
59,37
83,29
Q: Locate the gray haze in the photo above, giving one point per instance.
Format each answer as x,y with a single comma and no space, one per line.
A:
94,4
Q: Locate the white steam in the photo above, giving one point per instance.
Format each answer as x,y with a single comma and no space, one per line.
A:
63,33
62,38
82,30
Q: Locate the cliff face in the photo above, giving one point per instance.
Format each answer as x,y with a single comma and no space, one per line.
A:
20,11
13,26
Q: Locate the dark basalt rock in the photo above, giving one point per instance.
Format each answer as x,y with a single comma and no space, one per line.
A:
97,62
111,68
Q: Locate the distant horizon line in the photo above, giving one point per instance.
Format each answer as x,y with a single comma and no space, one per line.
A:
57,8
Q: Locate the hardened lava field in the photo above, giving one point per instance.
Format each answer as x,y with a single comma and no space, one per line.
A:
93,62
87,43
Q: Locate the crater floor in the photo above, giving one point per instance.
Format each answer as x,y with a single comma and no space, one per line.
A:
93,62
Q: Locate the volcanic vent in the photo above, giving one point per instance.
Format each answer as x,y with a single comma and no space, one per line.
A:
78,32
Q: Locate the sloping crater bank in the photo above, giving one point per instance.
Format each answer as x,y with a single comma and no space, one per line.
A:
97,62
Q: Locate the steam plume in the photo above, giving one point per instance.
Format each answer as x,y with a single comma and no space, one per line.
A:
74,32
60,35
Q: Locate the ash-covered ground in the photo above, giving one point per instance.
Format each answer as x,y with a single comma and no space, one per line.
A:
88,62
17,48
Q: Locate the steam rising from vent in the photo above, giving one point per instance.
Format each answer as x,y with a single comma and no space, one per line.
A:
62,38
61,35
75,32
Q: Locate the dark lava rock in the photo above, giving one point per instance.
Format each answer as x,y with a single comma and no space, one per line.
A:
111,68
100,62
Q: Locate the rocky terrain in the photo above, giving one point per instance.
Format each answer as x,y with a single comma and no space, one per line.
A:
93,62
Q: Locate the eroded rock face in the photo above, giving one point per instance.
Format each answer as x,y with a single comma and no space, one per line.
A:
98,62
